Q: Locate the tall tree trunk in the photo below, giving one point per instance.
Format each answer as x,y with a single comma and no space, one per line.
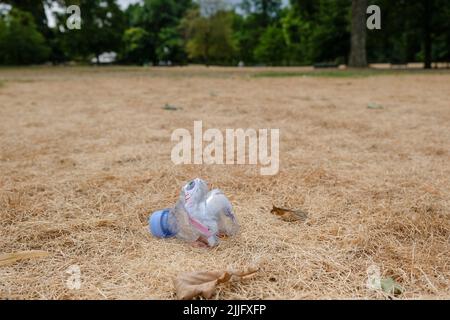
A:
427,32
358,54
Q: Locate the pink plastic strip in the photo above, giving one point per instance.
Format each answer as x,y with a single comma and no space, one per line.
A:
200,227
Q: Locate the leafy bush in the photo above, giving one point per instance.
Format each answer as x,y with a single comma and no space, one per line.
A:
20,40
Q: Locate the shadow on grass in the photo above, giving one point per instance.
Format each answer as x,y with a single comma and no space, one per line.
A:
351,73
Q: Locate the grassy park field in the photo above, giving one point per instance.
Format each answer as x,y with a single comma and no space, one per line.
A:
85,157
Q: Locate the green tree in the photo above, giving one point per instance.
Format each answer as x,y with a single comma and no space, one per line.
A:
330,37
102,25
265,11
272,47
298,32
135,48
249,28
210,38
133,14
161,20
20,40
434,28
246,34
36,8
441,50
412,30
317,31
171,45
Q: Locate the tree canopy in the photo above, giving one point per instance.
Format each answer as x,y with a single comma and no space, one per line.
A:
20,40
257,32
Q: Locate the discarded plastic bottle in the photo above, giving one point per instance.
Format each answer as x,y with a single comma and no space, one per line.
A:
198,214
159,224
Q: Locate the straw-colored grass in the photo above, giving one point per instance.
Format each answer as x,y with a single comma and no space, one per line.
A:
85,158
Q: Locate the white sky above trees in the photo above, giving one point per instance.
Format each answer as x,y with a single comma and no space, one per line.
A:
125,3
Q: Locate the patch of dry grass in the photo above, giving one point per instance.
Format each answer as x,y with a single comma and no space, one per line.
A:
85,158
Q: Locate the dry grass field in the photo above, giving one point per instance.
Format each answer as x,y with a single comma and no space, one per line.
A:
85,158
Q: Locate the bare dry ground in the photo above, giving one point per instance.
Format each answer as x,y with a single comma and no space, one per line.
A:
85,158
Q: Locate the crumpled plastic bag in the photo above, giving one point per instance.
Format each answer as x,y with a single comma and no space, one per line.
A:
189,285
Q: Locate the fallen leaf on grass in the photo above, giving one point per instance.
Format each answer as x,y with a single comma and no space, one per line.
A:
289,215
189,285
10,258
390,286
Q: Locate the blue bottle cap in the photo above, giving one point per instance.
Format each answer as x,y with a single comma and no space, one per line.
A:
159,226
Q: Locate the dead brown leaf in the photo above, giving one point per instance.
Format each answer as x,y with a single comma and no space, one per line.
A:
289,215
189,285
10,258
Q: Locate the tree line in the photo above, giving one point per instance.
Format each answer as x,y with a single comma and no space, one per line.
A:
253,32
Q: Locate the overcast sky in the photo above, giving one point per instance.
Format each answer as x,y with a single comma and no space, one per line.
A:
124,3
